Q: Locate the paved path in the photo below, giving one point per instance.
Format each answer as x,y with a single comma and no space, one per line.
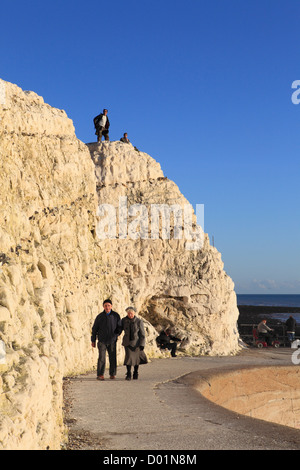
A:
158,412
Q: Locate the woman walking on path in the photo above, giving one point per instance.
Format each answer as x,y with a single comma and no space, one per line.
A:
133,342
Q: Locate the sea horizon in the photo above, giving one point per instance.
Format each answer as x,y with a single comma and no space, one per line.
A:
274,300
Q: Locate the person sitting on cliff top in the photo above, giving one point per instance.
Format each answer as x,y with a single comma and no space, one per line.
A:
125,138
164,341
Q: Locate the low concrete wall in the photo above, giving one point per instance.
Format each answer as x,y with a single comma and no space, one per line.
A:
267,393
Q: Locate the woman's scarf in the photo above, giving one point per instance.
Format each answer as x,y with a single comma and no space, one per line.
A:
131,329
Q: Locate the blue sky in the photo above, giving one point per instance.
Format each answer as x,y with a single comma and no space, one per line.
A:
204,87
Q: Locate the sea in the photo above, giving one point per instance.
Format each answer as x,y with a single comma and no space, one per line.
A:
272,300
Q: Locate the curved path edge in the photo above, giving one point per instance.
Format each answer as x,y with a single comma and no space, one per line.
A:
164,411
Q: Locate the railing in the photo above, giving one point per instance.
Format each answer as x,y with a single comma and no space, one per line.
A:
280,333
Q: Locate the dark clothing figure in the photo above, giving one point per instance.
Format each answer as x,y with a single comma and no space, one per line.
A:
101,123
125,139
291,328
106,328
165,341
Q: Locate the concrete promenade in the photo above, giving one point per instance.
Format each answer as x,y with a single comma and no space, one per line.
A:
161,412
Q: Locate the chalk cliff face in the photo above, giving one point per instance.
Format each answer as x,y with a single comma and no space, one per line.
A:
170,282
49,289
55,271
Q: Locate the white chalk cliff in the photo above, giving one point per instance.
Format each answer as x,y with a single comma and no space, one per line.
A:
55,271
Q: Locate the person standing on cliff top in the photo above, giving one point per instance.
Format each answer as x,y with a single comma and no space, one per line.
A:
107,327
101,123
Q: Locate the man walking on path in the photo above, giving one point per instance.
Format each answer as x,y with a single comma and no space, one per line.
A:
106,328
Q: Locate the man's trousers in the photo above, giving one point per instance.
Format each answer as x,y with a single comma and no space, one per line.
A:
112,356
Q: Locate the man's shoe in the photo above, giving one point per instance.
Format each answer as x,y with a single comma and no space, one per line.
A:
112,377
100,377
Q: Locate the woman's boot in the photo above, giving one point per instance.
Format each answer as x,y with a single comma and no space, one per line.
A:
135,373
128,375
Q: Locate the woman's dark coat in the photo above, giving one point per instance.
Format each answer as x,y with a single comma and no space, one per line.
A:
133,339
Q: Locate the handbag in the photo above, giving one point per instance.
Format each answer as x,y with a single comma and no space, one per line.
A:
143,358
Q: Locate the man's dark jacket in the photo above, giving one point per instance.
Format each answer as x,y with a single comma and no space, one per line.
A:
97,119
107,327
291,324
164,339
